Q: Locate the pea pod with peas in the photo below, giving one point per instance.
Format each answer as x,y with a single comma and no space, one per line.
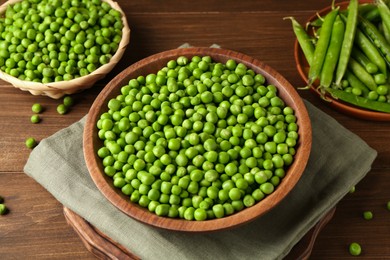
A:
348,54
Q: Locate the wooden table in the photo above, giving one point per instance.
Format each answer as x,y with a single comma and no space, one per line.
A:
36,228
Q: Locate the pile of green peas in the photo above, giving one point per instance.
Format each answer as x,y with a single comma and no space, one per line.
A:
57,40
197,140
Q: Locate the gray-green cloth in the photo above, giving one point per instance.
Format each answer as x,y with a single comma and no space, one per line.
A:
339,160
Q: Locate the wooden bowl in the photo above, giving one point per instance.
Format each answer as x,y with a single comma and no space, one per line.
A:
58,89
152,64
303,69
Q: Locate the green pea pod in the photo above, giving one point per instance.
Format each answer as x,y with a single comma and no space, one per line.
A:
386,32
349,36
304,40
359,101
384,12
372,15
333,53
377,38
317,22
364,9
362,74
363,60
354,82
370,50
322,46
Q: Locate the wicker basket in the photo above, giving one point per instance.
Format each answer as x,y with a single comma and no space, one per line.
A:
58,89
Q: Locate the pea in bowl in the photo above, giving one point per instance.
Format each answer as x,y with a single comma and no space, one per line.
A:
56,48
197,139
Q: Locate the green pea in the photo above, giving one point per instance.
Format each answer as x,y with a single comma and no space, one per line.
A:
228,208
62,109
267,187
383,89
367,215
31,142
249,201
189,213
380,78
258,195
235,194
218,211
35,119
355,249
3,209
37,108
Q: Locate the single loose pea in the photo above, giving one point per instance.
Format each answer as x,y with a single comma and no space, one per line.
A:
35,119
388,205
367,215
62,109
68,101
37,108
3,209
31,142
355,249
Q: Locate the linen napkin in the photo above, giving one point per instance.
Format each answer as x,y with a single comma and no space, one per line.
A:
338,161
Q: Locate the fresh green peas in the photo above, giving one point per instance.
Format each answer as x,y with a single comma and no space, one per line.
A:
35,119
235,194
162,210
218,211
355,249
367,215
52,33
267,188
176,148
37,108
62,109
3,209
31,142
382,90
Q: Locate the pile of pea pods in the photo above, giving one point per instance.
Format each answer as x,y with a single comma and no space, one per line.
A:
348,53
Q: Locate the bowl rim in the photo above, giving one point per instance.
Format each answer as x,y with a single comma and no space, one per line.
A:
141,214
339,105
76,83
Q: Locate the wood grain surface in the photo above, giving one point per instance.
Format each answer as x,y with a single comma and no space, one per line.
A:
36,228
